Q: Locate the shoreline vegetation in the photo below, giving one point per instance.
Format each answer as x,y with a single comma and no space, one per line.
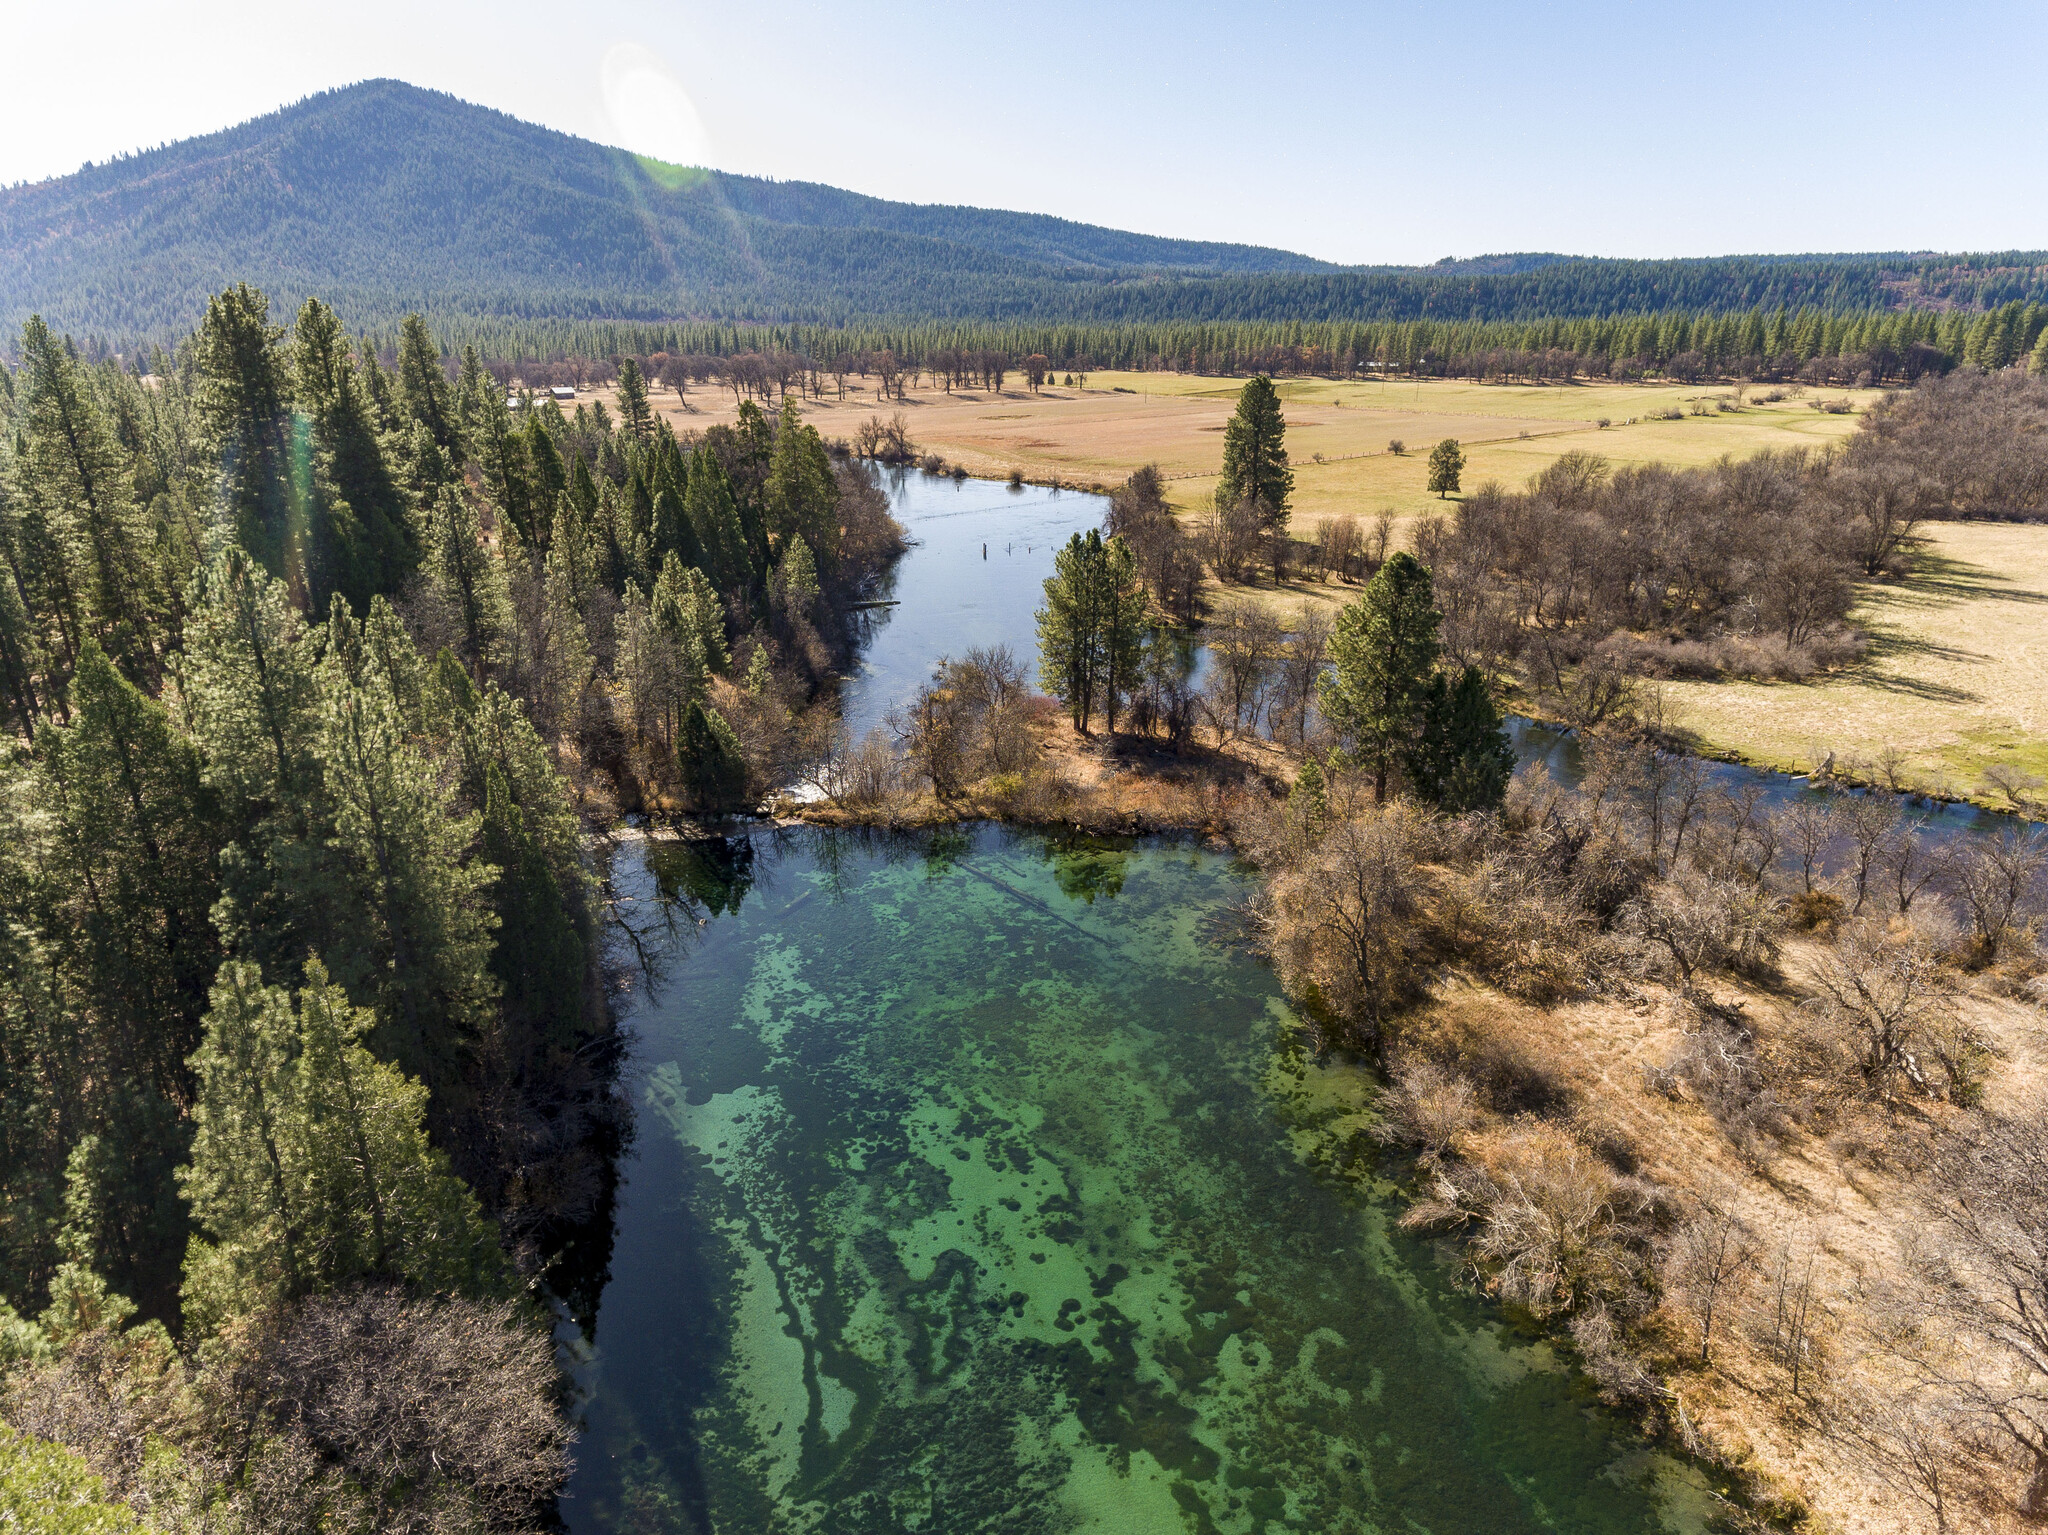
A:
1740,1100
1682,1101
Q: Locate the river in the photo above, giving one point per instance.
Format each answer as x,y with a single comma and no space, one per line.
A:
980,1185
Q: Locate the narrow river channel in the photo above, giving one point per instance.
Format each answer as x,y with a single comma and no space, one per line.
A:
979,1185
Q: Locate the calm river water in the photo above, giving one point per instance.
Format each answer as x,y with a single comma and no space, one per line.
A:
979,1186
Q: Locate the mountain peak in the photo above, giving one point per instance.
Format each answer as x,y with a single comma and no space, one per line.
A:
383,196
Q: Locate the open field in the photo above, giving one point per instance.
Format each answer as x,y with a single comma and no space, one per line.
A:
1956,678
1120,421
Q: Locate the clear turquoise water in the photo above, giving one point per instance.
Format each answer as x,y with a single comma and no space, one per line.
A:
979,1187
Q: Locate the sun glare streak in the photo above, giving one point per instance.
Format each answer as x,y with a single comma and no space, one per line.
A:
650,112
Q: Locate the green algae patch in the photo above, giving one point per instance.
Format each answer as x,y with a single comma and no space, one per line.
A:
979,1192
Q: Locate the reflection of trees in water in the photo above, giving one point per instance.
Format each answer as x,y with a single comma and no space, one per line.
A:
713,874
1087,867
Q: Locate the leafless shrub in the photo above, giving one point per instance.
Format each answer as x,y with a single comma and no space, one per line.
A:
1719,1064
1791,1324
438,1414
1246,647
1705,924
1338,547
2018,789
1340,923
1706,1263
888,441
1893,1003
870,769
1911,1442
1426,1104
1998,883
1232,539
1969,1325
1556,1228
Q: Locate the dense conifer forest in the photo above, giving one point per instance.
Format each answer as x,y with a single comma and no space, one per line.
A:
308,670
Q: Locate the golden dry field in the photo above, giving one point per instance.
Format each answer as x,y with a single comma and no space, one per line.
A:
1124,420
1957,675
1956,678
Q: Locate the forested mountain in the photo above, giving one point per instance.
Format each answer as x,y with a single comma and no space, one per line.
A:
390,198
387,199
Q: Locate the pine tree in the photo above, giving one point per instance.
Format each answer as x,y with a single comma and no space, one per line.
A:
411,927
132,837
469,580
1446,466
1384,649
475,394
1255,467
564,661
1308,805
714,518
423,395
793,589
549,484
708,752
249,683
1462,758
311,1166
244,397
361,538
1091,631
539,954
1123,608
801,493
1069,659
635,414
88,549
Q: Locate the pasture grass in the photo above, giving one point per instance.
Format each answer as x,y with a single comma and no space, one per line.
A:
1956,678
1957,675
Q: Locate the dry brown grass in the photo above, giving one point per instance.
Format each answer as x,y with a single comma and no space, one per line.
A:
1836,1185
1118,786
1124,420
1956,679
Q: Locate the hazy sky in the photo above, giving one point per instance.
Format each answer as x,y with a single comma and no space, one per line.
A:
1356,132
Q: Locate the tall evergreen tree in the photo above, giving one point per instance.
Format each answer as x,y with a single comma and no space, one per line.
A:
1384,649
635,414
244,398
87,549
469,580
1069,660
801,493
411,927
539,954
423,395
249,684
714,518
311,1166
1091,631
1461,758
1255,467
362,537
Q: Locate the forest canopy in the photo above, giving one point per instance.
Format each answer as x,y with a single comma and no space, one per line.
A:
312,674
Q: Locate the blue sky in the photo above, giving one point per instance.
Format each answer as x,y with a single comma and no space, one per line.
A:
1398,133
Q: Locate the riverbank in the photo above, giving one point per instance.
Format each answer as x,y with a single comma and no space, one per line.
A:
1599,1074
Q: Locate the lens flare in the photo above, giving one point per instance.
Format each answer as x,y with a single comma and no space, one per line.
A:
650,112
